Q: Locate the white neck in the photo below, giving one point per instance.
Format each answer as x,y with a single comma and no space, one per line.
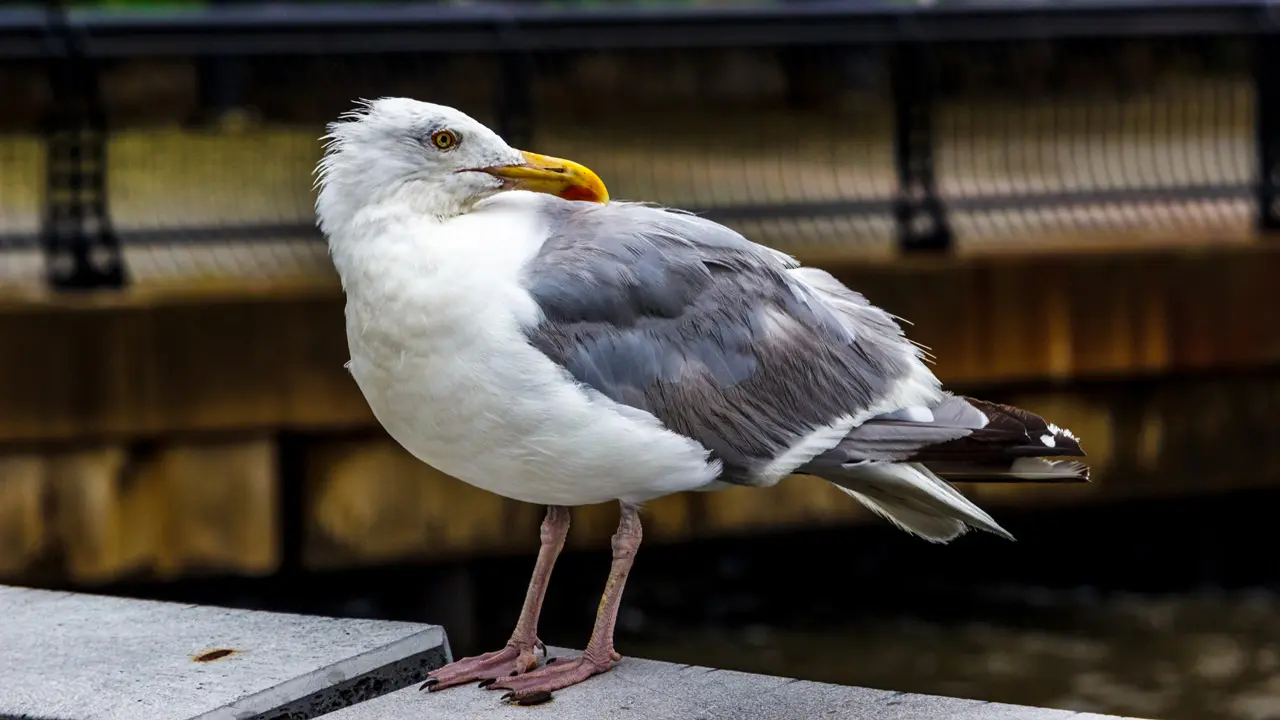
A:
441,277
374,238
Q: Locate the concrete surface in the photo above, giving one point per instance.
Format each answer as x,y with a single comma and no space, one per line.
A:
648,690
66,656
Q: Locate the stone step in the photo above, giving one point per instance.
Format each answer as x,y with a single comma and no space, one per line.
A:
67,656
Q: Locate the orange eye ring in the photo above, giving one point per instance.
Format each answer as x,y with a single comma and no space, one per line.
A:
444,140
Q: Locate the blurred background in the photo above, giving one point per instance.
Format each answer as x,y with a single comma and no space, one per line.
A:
1071,201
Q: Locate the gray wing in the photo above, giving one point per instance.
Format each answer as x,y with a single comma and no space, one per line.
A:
719,338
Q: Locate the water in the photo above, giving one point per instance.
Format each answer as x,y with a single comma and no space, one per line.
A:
1209,656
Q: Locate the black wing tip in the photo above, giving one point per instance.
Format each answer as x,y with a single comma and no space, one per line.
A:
1042,451
1065,447
1065,443
1057,441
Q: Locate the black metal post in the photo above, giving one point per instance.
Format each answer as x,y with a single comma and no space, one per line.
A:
81,247
514,103
1267,104
918,211
222,82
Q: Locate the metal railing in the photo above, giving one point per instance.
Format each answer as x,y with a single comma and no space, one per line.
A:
847,126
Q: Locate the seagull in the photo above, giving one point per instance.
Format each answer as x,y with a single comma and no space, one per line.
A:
511,326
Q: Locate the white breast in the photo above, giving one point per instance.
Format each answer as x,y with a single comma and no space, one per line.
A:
434,319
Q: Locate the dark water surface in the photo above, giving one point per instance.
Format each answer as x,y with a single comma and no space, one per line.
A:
1208,656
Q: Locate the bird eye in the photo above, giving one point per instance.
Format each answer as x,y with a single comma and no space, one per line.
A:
444,139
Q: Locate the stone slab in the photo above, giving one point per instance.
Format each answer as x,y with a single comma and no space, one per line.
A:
68,656
648,690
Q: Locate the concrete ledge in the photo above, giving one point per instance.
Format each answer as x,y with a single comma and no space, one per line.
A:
648,690
66,656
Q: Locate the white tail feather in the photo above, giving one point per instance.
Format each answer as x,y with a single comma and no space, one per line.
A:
915,500
1028,469
931,527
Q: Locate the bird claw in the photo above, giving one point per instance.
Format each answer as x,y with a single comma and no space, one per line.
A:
528,698
507,662
535,687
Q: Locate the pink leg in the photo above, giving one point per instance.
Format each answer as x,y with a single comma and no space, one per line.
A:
536,687
518,655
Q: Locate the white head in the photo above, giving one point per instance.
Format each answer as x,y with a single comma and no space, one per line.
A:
434,159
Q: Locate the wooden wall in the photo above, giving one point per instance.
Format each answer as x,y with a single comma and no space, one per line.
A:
186,361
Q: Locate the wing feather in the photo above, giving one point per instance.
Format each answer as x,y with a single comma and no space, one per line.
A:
723,340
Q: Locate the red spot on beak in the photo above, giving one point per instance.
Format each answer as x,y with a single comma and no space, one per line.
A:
580,193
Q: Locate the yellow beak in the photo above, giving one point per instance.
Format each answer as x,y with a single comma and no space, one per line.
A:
562,178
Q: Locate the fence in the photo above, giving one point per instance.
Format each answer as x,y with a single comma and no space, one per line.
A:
179,143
